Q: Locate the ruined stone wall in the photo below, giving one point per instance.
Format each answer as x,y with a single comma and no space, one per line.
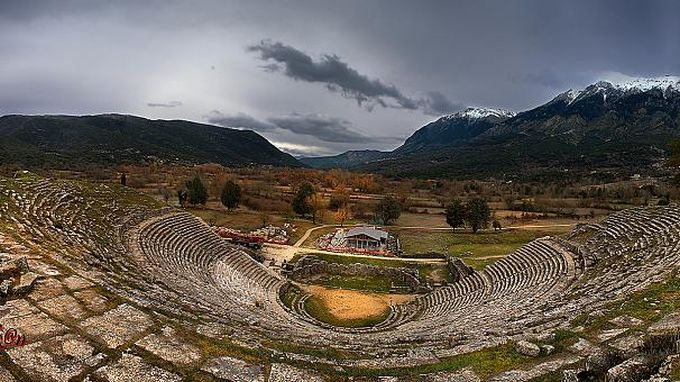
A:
458,269
310,266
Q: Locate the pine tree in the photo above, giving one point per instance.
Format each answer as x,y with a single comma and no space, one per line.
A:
301,205
196,192
231,195
478,214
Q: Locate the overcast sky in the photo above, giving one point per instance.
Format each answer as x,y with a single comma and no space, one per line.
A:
321,77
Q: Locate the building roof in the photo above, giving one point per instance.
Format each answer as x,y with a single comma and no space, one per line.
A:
371,232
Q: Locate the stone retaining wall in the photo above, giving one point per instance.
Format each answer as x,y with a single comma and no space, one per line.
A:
310,266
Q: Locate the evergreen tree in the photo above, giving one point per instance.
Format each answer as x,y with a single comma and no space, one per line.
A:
196,192
231,195
478,214
301,205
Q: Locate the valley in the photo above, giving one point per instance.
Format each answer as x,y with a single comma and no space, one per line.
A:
340,191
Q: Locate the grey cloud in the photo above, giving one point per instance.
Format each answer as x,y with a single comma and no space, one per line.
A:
170,104
338,76
63,56
240,120
435,103
324,128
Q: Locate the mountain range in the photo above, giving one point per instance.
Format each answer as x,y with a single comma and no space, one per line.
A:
79,141
608,127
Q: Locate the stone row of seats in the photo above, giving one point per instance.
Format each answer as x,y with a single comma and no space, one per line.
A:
181,249
190,257
640,226
513,295
536,263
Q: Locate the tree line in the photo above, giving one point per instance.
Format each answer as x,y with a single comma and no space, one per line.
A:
195,193
307,202
474,213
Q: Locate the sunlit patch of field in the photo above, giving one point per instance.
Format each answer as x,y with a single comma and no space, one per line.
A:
350,308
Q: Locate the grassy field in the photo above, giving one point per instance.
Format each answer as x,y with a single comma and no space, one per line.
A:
484,363
485,247
364,283
316,234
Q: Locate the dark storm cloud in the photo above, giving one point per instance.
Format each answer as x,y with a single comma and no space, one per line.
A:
168,104
98,56
435,103
322,127
240,121
329,70
338,76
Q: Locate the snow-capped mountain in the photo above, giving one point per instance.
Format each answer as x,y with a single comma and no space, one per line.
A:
453,129
616,89
480,112
614,128
645,84
623,126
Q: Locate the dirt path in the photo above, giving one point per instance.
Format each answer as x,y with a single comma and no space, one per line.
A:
486,230
281,252
486,257
309,232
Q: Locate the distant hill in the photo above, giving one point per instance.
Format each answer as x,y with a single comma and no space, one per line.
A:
347,159
111,139
615,129
449,130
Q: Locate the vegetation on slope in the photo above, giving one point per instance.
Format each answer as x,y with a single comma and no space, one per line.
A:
78,142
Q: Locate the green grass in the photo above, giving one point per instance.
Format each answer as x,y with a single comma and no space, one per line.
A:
484,363
365,283
290,295
480,244
317,309
316,234
484,250
339,259
478,264
485,247
675,372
